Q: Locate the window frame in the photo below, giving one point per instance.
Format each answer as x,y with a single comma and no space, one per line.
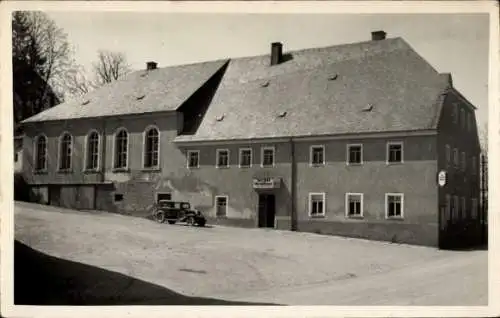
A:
36,157
311,155
144,145
87,154
115,150
217,153
310,204
262,150
347,205
348,155
240,153
60,150
217,197
188,157
157,194
387,153
399,217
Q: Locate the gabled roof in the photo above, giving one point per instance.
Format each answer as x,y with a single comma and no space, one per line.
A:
376,86
161,89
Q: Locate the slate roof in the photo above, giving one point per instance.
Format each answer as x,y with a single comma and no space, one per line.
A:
375,86
162,89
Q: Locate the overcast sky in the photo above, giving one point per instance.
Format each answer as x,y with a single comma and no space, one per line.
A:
451,43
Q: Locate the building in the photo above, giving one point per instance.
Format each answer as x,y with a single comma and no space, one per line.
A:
346,140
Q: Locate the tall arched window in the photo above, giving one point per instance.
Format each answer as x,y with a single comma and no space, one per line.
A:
40,153
151,148
121,149
92,160
65,151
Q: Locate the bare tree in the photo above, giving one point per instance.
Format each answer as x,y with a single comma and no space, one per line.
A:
78,82
109,67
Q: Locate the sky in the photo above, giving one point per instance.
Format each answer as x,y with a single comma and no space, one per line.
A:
454,43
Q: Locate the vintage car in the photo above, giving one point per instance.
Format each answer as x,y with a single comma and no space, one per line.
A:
175,211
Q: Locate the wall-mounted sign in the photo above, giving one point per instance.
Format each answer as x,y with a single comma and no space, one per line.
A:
442,178
266,183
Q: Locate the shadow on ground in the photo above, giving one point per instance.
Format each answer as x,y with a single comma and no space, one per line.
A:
41,279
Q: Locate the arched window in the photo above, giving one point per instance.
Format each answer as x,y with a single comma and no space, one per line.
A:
121,149
40,153
65,150
92,162
151,145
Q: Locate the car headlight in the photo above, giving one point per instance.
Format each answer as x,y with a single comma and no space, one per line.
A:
185,206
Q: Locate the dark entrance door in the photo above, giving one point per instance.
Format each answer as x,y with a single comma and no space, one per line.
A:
55,195
267,210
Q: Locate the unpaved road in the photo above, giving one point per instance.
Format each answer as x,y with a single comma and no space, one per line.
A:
250,265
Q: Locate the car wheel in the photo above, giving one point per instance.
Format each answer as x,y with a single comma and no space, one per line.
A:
171,222
201,222
190,221
159,216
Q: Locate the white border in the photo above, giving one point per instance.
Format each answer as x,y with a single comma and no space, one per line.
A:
347,157
240,151
189,152
217,152
146,130
402,216
323,213
86,155
6,193
113,154
311,148
347,215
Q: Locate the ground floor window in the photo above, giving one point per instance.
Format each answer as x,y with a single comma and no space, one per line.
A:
316,204
163,196
394,205
354,204
221,206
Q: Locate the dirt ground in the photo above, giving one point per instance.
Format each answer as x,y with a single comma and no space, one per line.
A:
213,264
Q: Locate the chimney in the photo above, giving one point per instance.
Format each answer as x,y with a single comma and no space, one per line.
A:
151,66
378,35
276,53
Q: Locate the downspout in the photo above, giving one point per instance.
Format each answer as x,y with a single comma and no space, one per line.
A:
293,182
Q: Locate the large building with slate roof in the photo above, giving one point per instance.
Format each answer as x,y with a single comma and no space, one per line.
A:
346,140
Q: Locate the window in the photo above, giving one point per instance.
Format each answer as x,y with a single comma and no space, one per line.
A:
448,204
448,154
474,165
118,197
151,148
474,211
65,149
267,157
193,159
245,157
316,204
221,206
469,121
456,208
464,166
394,203
354,154
455,113
16,157
394,152
464,208
462,118
92,156
163,196
354,204
455,157
222,158
40,153
317,155
121,149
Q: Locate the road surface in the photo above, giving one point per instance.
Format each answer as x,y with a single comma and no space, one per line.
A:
104,258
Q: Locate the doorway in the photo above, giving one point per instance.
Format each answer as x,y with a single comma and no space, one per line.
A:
267,210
